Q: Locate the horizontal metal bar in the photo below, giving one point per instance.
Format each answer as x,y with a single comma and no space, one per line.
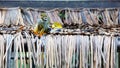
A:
61,4
60,0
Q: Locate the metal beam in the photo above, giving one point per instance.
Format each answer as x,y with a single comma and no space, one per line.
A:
61,4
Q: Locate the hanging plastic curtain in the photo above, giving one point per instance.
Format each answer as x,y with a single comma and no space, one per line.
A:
53,15
66,51
83,42
78,51
10,16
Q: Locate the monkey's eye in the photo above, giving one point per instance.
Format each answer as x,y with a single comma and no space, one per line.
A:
45,18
